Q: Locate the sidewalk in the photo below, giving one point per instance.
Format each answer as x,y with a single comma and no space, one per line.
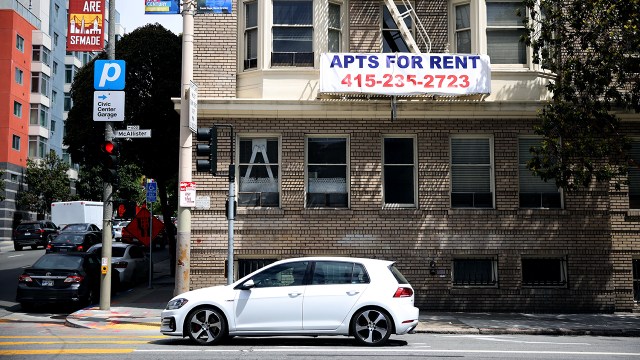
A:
140,308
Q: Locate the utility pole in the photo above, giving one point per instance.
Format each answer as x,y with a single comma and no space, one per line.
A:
183,248
107,210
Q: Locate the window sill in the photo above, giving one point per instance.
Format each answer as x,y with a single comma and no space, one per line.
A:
471,211
273,211
547,211
327,211
633,212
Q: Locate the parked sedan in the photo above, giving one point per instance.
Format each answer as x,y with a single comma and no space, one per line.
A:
365,298
69,278
73,241
129,260
34,234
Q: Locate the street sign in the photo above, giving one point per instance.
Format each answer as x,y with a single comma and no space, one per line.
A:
109,74
139,227
144,133
152,191
108,106
193,106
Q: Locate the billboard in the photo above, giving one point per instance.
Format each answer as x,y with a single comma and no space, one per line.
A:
86,30
405,73
159,7
214,6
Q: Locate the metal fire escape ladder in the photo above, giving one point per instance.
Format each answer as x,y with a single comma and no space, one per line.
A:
399,17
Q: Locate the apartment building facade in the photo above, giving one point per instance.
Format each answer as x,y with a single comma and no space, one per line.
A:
438,184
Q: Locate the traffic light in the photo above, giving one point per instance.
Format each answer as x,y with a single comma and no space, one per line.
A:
110,160
210,150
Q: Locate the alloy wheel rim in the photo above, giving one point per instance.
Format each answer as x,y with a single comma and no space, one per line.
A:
371,326
205,326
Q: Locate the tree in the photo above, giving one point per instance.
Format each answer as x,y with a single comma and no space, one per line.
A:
153,59
593,49
47,181
90,187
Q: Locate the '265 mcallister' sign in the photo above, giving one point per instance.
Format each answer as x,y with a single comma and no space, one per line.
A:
405,73
86,25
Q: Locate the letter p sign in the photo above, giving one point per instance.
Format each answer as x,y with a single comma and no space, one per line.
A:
109,75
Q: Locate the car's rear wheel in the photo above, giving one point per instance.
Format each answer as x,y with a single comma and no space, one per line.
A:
17,247
206,325
371,327
33,247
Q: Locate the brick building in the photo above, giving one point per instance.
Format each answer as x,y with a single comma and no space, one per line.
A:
440,186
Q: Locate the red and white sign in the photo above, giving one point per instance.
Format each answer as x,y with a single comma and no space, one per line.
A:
405,73
86,28
187,194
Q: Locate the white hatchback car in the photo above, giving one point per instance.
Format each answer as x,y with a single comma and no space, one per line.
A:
365,298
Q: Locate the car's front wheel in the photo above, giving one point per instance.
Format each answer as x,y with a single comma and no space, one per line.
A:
371,327
206,325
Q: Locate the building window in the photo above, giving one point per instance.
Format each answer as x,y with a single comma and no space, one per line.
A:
259,169
475,272
534,192
335,28
544,272
55,68
53,125
40,83
15,143
463,29
55,39
57,9
67,102
19,76
68,74
633,177
17,109
39,115
19,43
247,266
471,172
41,54
251,35
327,172
37,147
292,33
54,97
504,29
392,40
399,185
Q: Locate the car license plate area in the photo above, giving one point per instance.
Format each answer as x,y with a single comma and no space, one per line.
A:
27,234
47,282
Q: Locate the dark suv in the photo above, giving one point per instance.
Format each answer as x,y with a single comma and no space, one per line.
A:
34,234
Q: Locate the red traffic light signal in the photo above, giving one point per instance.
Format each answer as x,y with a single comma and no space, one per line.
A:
110,148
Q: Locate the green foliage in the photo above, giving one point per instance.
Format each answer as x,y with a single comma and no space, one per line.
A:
90,185
47,181
593,49
153,57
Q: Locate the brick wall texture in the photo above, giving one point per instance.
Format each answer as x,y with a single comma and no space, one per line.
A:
594,230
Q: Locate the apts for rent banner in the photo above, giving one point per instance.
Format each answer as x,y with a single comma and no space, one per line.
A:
405,73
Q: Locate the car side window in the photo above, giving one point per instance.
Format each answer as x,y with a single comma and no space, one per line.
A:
291,274
337,272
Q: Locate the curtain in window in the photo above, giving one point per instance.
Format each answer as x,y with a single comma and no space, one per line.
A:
463,29
530,183
504,29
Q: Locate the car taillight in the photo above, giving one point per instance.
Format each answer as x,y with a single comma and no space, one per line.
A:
73,279
49,246
80,248
39,231
403,292
120,265
25,278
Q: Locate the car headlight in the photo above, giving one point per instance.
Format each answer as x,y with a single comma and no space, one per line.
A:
176,303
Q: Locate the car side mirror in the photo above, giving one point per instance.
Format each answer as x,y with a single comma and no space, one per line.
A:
247,285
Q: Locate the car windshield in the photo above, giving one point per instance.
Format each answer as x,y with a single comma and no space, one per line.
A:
75,227
68,238
398,275
27,227
58,262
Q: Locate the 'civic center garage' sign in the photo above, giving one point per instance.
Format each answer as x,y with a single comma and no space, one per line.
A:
405,73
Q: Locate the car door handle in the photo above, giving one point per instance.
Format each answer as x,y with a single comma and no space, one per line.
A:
294,294
351,293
